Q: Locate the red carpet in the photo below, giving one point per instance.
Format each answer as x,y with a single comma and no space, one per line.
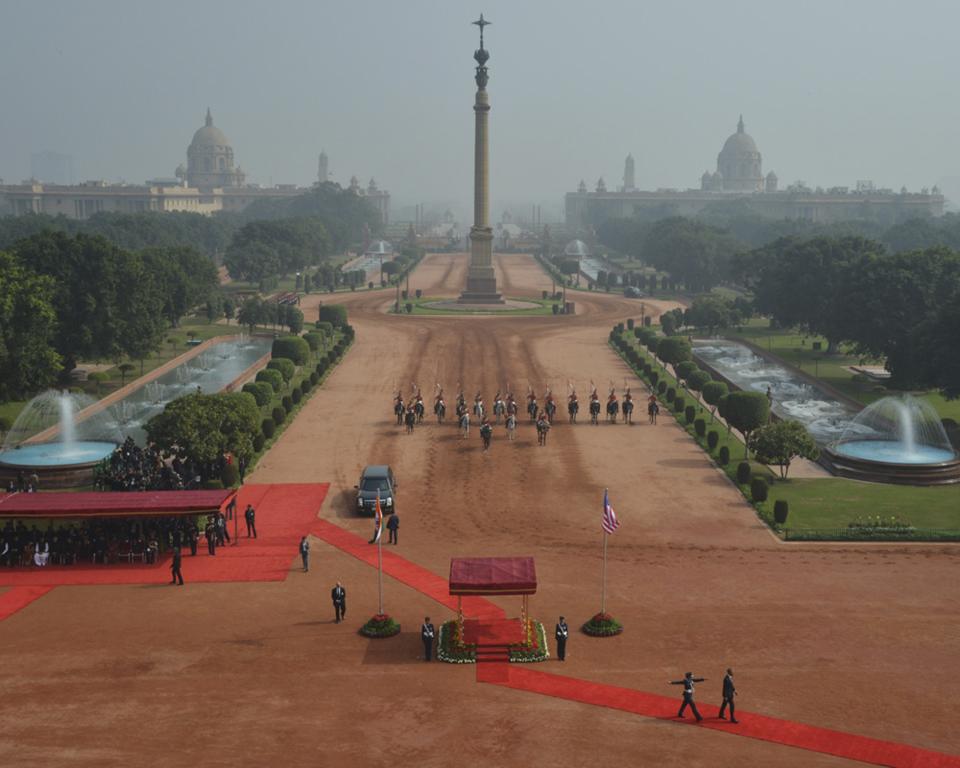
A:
524,678
403,570
19,597
284,514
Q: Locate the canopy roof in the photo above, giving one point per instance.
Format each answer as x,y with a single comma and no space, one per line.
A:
493,576
116,504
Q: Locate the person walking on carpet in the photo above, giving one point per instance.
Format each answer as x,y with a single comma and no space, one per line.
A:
561,634
339,596
687,683
305,553
392,525
177,578
729,691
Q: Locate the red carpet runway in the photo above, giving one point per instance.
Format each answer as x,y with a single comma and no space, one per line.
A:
284,514
525,678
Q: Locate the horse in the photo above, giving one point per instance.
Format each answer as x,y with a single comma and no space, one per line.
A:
594,411
440,409
628,410
550,409
398,411
486,432
478,409
613,408
464,424
410,419
418,410
532,409
511,427
499,409
461,409
572,407
543,426
512,408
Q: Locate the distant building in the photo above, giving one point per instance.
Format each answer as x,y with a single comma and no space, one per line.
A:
210,182
739,177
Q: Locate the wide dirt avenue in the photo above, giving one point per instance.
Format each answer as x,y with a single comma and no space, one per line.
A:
862,639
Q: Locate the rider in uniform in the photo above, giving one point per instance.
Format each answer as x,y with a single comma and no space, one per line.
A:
628,406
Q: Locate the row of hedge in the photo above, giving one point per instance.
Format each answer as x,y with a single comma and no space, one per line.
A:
751,478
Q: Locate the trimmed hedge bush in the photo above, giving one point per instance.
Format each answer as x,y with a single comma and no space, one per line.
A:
686,369
262,392
713,439
654,379
284,365
306,385
698,380
229,475
335,314
743,473
699,425
258,442
321,367
671,394
314,378
780,511
723,458
689,412
279,415
272,377
324,327
758,489
314,339
269,428
291,347
287,403
296,395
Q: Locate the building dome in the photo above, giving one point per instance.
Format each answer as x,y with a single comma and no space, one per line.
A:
210,159
740,164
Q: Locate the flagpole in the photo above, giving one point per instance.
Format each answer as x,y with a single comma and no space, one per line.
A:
603,582
380,569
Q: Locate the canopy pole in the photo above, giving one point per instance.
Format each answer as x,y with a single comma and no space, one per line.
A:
459,619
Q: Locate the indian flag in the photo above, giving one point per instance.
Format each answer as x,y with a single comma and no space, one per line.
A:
378,516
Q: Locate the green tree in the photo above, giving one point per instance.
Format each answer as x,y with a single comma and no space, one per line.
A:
746,412
781,442
204,428
713,392
696,254
674,350
28,330
124,369
251,313
711,312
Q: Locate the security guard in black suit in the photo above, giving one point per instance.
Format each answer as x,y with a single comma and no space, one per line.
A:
177,578
561,634
339,596
426,634
729,691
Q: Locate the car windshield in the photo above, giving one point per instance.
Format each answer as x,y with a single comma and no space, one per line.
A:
374,484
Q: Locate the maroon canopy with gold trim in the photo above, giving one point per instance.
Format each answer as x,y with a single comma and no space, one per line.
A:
493,576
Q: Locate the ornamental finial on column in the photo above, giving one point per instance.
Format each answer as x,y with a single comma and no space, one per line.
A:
481,55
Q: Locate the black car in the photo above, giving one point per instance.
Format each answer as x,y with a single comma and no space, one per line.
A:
376,478
632,292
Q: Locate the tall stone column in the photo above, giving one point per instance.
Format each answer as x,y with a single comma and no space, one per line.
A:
481,280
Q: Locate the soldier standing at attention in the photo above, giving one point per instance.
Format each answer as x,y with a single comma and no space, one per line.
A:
562,632
305,553
729,691
250,517
426,634
687,683
339,596
393,525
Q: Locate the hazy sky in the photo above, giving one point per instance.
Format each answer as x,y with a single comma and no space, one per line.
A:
831,91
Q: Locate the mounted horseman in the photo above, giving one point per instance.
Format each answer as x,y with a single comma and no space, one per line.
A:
613,406
594,407
549,405
627,407
573,406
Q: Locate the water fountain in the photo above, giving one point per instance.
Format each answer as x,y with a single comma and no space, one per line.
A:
154,392
895,440
45,439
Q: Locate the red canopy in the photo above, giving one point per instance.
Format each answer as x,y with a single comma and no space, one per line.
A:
492,576
116,504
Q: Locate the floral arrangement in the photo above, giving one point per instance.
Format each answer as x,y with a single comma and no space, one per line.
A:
449,647
379,626
522,654
602,625
878,524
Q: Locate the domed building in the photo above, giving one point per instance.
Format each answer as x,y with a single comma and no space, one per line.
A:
210,159
739,163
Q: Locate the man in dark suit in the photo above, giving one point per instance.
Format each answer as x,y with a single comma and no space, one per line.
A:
250,517
177,578
729,691
305,553
561,634
339,596
426,634
393,524
687,683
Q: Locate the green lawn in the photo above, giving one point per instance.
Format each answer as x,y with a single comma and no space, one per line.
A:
826,504
420,307
835,502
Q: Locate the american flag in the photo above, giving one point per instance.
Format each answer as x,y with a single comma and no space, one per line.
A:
378,515
610,522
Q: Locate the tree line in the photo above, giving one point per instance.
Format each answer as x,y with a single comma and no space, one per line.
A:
65,297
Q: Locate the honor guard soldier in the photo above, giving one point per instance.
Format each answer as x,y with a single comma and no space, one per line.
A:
426,634
561,634
687,683
177,578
